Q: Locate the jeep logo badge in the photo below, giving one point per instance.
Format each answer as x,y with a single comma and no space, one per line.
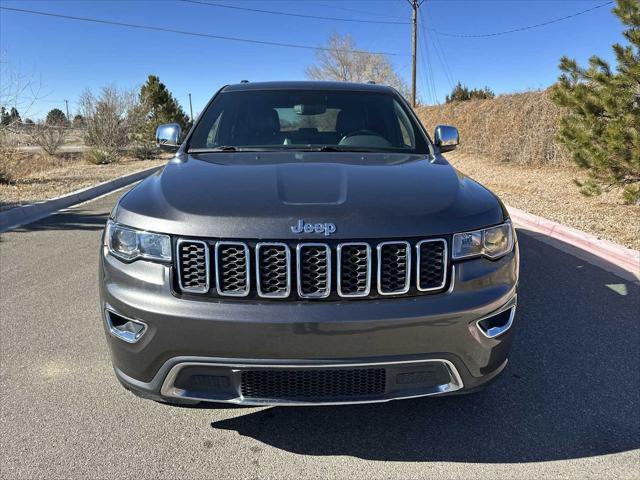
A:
302,227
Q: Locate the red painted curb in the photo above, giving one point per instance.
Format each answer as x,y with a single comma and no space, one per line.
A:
619,255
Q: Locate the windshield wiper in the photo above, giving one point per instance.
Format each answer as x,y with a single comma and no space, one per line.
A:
330,148
225,148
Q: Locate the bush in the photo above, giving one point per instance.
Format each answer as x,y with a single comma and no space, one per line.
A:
107,122
144,150
518,128
48,137
14,164
100,157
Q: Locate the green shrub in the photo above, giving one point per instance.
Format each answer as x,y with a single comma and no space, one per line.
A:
100,157
143,150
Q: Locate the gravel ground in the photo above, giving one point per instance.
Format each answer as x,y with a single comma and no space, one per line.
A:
551,193
70,175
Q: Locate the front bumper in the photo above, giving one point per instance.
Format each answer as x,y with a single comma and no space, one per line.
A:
437,334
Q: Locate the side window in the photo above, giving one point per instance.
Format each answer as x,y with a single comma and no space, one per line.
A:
213,133
405,126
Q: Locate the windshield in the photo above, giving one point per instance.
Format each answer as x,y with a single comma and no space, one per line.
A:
307,120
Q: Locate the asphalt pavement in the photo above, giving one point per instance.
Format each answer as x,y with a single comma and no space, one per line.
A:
567,406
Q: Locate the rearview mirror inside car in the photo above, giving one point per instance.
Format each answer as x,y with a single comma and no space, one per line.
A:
308,109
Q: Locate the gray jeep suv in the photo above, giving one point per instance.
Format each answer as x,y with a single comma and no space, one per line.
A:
308,244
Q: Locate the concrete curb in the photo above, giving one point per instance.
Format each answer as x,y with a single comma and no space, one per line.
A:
623,257
17,216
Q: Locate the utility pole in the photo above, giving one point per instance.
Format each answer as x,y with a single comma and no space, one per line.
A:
66,102
191,108
415,4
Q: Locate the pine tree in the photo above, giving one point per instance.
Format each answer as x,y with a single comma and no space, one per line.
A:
461,93
601,127
5,118
14,116
56,117
158,106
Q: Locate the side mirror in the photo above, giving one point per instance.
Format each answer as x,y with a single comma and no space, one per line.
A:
168,136
446,137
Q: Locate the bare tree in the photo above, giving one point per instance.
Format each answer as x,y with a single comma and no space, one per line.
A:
48,137
341,61
108,122
17,91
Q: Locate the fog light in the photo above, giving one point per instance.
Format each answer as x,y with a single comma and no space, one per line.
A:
125,329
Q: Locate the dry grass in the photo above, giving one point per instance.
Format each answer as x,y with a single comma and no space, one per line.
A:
549,191
518,128
44,177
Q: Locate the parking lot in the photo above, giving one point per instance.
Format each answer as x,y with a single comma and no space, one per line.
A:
568,404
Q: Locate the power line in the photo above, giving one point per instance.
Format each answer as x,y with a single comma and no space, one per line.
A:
441,57
192,34
429,69
288,14
528,27
363,12
447,68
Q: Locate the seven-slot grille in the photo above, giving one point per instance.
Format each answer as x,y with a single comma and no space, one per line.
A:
315,384
306,270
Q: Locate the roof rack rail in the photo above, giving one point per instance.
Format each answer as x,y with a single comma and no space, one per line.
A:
371,82
244,81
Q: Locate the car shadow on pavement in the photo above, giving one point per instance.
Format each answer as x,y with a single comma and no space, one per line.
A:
571,389
75,219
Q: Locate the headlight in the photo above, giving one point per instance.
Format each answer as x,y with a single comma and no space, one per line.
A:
491,242
129,244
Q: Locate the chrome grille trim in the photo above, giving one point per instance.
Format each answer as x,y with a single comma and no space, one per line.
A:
196,260
407,284
230,293
445,264
327,290
364,293
262,294
207,269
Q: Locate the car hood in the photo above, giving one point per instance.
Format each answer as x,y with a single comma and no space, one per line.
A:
261,196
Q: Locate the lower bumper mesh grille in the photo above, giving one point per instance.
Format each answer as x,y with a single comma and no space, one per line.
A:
315,384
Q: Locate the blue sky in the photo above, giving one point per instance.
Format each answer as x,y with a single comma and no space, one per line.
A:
68,56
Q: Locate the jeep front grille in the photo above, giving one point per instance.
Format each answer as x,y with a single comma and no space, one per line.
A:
297,270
